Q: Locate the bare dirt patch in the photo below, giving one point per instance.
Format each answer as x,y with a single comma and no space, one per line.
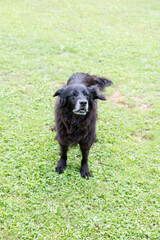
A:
140,104
144,107
119,99
141,135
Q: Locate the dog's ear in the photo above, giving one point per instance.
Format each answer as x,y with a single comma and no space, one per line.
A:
95,94
60,93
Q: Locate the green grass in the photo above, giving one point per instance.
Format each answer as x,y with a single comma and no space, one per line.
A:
41,44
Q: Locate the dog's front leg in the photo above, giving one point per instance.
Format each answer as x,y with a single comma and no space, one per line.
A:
84,170
62,163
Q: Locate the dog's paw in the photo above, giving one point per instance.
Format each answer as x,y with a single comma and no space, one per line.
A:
61,166
85,173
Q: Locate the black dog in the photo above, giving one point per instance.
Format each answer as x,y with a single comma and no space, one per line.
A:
76,114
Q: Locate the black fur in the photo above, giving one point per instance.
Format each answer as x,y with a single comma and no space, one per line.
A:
76,114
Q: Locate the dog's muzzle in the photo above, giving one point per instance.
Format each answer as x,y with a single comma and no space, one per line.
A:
81,107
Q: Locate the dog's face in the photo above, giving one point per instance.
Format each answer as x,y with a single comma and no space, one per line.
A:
78,98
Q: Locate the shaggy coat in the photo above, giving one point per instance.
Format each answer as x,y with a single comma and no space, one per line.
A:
75,116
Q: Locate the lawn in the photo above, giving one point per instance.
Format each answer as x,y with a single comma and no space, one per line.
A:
42,43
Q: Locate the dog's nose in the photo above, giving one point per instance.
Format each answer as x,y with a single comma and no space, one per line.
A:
83,103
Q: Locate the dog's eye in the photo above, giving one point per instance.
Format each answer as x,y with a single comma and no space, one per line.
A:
85,93
75,93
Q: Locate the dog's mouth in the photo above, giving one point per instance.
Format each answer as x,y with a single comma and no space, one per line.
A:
80,112
81,107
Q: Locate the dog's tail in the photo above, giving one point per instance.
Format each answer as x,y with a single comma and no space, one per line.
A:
102,82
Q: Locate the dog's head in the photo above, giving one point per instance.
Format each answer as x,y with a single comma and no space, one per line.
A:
78,98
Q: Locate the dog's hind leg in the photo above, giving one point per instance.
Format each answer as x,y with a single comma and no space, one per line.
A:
84,170
62,163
